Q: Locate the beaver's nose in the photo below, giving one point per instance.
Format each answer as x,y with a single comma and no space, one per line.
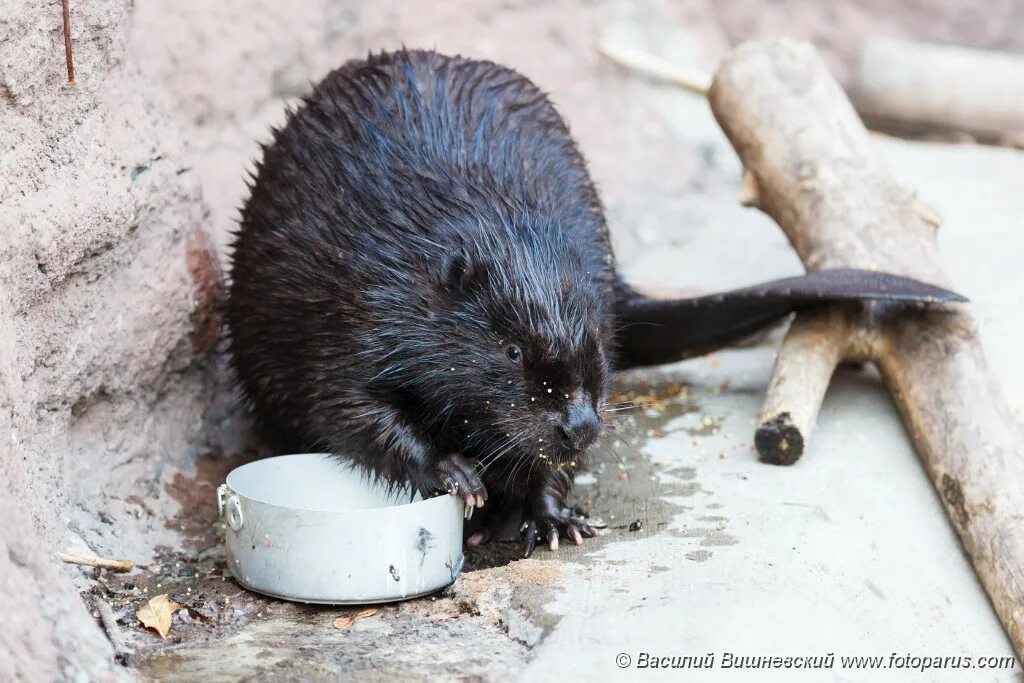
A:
580,426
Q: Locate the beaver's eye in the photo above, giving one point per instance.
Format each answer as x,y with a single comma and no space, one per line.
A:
514,353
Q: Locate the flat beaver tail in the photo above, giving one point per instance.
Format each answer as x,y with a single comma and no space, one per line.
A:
656,331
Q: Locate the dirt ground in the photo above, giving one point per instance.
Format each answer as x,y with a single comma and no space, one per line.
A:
495,611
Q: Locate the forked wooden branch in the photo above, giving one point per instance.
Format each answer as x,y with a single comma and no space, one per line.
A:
811,167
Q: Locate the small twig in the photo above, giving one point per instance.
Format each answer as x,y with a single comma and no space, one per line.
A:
691,79
113,565
65,5
109,622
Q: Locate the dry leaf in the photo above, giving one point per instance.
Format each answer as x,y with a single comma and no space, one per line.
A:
156,614
345,622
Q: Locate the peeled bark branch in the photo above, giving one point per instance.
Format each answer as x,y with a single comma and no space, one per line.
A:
818,177
102,563
920,88
814,346
694,80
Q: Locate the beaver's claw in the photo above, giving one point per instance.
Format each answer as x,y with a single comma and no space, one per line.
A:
553,527
457,475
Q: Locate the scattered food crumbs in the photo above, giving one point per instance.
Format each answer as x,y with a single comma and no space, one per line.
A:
346,621
443,616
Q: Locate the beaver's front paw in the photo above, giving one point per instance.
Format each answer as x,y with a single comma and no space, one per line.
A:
457,475
551,527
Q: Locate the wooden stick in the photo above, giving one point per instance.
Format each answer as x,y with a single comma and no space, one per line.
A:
808,357
901,87
918,88
817,175
114,634
102,563
65,6
694,80
970,442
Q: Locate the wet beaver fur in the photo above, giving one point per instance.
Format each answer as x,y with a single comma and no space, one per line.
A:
422,282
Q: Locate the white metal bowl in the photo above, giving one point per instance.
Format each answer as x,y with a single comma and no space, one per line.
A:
310,528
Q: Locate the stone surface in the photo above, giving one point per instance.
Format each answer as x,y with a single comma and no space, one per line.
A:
106,307
117,420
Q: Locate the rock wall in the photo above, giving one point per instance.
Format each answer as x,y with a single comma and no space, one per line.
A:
107,312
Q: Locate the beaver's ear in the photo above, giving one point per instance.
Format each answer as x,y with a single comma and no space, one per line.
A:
457,270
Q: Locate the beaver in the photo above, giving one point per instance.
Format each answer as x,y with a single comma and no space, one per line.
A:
422,282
